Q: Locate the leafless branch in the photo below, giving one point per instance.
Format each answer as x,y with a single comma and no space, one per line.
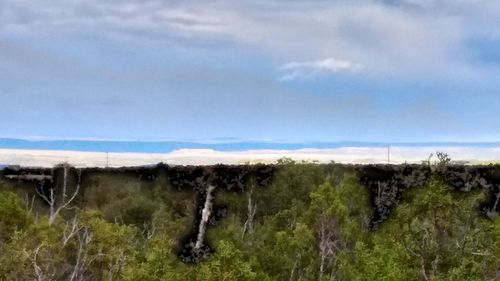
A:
70,229
149,230
84,238
39,275
57,207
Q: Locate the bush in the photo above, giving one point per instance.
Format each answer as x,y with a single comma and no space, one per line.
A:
13,215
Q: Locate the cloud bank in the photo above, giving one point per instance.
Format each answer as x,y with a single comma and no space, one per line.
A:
387,37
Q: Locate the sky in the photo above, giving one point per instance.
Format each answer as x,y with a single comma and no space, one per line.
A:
294,71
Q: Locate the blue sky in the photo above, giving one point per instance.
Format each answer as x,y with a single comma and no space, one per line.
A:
383,71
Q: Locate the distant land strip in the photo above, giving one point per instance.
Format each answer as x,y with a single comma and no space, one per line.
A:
198,156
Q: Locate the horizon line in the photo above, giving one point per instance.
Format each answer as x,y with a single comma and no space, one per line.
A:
232,140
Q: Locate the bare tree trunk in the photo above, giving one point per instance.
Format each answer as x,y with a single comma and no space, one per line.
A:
293,270
296,269
330,242
434,265
494,209
39,275
424,272
70,229
149,230
300,273
251,210
84,239
321,268
29,205
117,267
205,216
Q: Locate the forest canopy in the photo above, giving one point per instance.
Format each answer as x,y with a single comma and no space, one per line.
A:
289,221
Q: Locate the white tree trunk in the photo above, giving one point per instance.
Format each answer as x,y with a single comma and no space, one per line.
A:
205,216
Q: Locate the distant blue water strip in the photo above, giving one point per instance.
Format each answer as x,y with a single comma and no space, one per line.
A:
169,146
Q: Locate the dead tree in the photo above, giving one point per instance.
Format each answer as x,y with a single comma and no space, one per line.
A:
39,275
65,199
116,268
81,235
84,237
70,230
205,216
330,242
251,210
207,181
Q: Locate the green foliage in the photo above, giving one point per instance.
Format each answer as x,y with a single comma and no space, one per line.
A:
229,264
131,210
157,261
41,250
13,215
112,245
383,260
437,234
311,223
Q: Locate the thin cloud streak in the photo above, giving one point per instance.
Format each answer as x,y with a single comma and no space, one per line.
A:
296,70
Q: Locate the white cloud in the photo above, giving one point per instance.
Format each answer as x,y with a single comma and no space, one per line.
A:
294,70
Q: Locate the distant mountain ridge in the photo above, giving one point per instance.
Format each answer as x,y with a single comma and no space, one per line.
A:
169,146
